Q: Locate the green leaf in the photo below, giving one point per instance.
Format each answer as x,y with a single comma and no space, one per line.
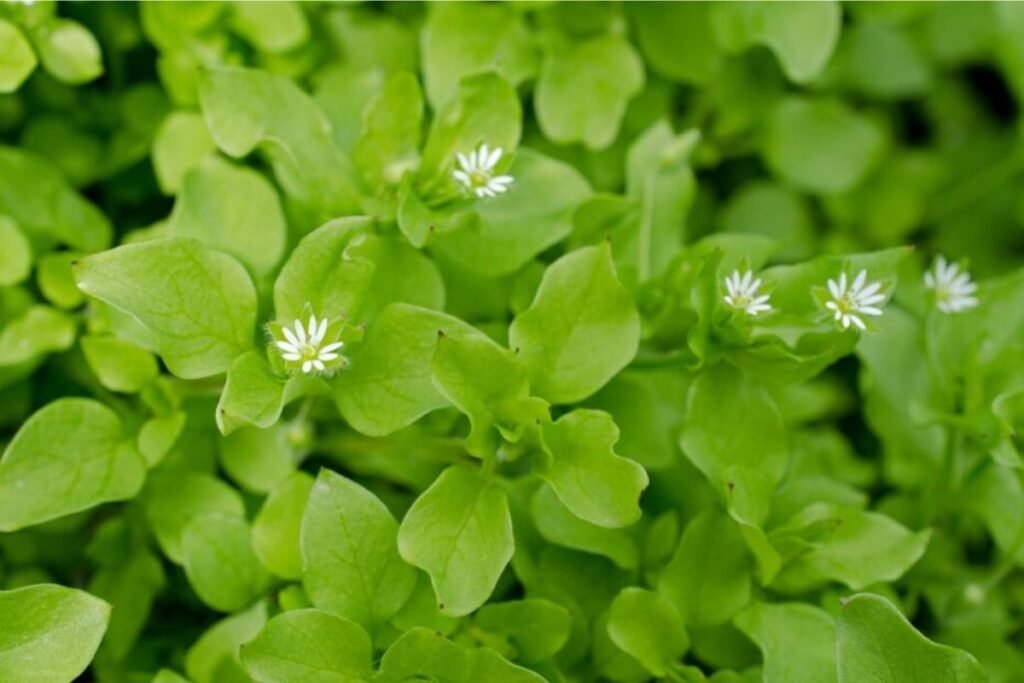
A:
254,396
677,40
797,641
388,385
323,274
727,451
214,656
708,578
538,629
56,281
581,329
595,483
232,209
487,110
258,459
220,563
584,88
459,531
876,643
462,39
514,227
158,435
389,143
350,560
422,653
15,253
802,35
130,586
182,143
46,208
864,548
49,633
18,61
821,145
401,274
68,51
168,676
246,108
38,331
199,304
647,626
558,525
70,456
276,529
487,665
119,365
271,27
172,499
486,382
309,645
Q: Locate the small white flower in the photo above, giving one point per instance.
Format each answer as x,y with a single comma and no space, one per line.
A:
304,345
849,304
743,293
954,291
476,172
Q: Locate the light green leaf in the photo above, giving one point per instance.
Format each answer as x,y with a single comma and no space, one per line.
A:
389,143
49,633
246,108
462,39
584,88
460,532
821,145
36,332
215,655
158,435
647,626
232,209
863,548
514,227
270,26
276,529
68,51
181,144
69,456
168,676
199,304
254,396
119,365
581,329
46,208
323,274
802,35
17,59
708,578
733,431
487,383
172,499
130,586
876,643
310,646
487,665
797,641
258,459
487,110
56,281
595,483
389,385
538,629
401,274
350,560
558,525
220,563
676,39
15,252
420,653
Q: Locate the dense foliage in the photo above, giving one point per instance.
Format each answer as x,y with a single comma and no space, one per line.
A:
511,343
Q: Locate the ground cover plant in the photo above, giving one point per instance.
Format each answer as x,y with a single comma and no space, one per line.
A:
511,343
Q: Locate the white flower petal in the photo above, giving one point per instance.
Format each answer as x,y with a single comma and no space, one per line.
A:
833,288
858,322
332,347
287,347
291,356
318,365
300,333
292,339
327,356
858,283
870,310
307,366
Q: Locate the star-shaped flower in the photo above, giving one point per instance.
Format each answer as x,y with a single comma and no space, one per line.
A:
954,291
476,172
743,293
304,346
850,303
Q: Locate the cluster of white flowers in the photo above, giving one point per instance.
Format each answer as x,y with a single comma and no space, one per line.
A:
304,346
476,172
852,300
